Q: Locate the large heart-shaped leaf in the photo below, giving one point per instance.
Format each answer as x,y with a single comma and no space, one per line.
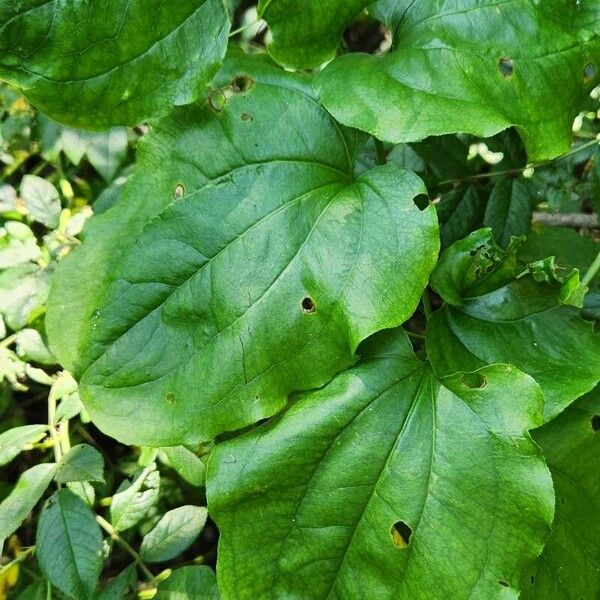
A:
386,484
472,66
568,567
492,315
262,279
307,33
118,62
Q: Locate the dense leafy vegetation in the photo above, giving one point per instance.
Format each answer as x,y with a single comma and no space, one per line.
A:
324,286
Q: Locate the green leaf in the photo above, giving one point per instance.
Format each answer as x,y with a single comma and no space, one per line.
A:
69,545
567,568
189,583
23,290
18,245
469,67
306,34
509,209
123,585
460,211
174,533
186,463
135,498
30,346
14,440
24,496
386,484
496,312
41,200
81,463
186,299
119,63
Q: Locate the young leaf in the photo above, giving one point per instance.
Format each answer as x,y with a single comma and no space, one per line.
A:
469,67
14,440
122,586
189,583
24,496
187,300
306,34
41,199
567,567
119,63
492,316
186,463
386,484
174,533
135,498
509,209
69,545
81,463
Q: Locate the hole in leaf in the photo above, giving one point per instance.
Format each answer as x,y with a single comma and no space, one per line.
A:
473,380
401,533
170,397
179,192
589,71
241,84
504,583
532,579
506,66
308,305
562,501
246,118
421,201
596,422
217,100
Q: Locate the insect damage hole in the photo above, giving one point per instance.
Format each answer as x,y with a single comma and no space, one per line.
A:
179,192
401,533
589,72
473,381
506,66
308,305
421,201
503,583
241,84
596,422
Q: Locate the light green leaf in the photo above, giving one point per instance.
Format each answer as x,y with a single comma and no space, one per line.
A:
174,533
135,498
509,209
186,299
18,245
568,567
186,463
84,490
23,290
468,66
41,199
496,312
24,496
69,545
81,463
386,484
189,583
118,63
306,33
14,440
30,346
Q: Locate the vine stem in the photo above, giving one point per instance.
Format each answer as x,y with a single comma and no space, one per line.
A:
115,536
244,28
592,271
52,425
589,144
17,560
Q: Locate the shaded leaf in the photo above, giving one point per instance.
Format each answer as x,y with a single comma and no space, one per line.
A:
69,545
14,440
123,585
81,463
186,463
189,583
366,488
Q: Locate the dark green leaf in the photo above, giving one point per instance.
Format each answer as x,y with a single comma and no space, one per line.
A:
69,545
493,316
116,63
470,66
460,212
173,534
24,496
81,463
14,440
568,567
122,586
306,33
386,484
189,583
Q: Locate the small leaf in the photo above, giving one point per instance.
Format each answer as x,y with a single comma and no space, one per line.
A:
14,440
30,346
84,490
122,586
189,583
174,533
25,495
135,498
69,545
41,199
186,463
81,463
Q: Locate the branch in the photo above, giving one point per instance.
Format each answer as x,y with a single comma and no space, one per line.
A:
574,220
